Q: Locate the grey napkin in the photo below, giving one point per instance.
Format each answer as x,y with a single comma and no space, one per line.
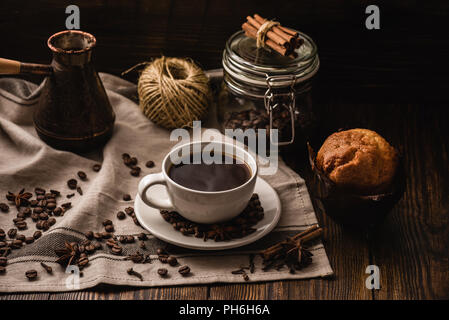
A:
27,162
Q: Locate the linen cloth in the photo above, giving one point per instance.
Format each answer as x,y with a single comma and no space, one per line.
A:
27,162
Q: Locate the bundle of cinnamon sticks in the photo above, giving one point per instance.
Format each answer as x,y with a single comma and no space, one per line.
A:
278,38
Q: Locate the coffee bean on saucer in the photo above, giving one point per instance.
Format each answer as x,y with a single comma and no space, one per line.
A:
126,197
96,167
162,272
184,270
149,164
121,215
4,207
82,175
72,183
31,274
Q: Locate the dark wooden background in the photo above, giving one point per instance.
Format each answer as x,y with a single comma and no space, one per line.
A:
392,80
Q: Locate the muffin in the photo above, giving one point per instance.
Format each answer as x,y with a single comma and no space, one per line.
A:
359,161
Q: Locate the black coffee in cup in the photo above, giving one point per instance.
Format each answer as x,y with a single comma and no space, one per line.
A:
228,174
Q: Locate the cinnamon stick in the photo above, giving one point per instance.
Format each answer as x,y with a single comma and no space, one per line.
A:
276,29
306,235
252,32
270,34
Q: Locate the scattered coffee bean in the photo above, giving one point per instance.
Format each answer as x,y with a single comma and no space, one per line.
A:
16,244
55,192
21,225
163,258
109,228
72,183
70,195
57,211
82,175
37,234
47,268
160,251
26,212
20,237
29,240
126,197
51,221
125,156
33,203
129,211
66,205
106,235
131,272
2,234
31,274
39,191
4,207
142,245
2,270
162,272
43,216
121,215
38,210
98,236
142,236
184,270
3,244
89,235
82,262
96,167
97,246
79,190
135,171
149,164
107,222
172,261
116,249
12,233
3,261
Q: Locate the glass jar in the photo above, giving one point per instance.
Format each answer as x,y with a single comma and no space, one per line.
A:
265,90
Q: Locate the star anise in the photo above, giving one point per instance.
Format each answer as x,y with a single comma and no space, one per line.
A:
20,199
68,255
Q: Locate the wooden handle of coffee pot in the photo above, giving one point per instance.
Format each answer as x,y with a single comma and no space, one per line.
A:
9,66
15,67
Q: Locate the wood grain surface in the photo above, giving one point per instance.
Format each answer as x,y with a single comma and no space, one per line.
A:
391,80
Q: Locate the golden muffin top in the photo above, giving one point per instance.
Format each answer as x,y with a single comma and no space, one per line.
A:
359,160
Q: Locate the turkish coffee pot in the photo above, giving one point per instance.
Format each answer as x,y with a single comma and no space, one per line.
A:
73,111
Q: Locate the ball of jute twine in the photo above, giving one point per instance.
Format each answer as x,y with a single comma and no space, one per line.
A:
173,92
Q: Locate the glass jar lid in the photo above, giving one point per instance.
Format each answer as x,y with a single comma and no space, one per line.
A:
244,63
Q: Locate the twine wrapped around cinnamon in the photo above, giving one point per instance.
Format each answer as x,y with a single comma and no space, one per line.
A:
173,92
271,34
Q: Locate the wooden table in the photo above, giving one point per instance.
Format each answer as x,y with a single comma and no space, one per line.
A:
372,80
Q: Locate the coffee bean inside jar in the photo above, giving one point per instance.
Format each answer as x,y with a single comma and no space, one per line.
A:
264,90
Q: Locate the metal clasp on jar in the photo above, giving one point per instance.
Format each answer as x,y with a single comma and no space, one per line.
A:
270,98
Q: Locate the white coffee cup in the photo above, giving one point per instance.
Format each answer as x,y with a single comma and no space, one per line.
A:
201,206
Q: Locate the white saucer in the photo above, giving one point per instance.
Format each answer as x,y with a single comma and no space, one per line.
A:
152,221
